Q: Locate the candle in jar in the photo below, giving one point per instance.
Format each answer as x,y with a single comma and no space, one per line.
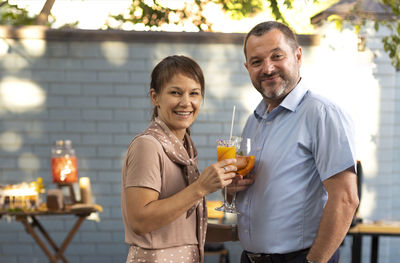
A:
64,169
85,189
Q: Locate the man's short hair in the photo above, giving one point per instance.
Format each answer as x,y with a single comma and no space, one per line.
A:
265,27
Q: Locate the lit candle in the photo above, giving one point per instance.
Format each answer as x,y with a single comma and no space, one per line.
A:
86,191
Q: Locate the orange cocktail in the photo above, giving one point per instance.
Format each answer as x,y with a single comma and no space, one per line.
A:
226,149
225,152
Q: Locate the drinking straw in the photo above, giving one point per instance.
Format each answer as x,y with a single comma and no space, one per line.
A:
233,118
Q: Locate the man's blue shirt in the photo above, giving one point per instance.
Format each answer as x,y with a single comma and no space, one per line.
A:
298,145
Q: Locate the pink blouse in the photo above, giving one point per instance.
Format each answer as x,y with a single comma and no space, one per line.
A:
147,165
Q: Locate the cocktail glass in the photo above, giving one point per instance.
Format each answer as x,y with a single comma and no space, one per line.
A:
226,149
245,163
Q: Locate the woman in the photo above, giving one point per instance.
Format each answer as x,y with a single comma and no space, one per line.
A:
163,204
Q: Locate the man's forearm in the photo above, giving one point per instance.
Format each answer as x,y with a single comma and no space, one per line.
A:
335,223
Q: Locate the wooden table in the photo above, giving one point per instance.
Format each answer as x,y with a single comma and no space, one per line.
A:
31,221
375,230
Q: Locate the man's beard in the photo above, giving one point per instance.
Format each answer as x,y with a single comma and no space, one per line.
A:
275,91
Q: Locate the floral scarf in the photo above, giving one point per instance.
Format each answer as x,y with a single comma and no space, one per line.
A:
187,159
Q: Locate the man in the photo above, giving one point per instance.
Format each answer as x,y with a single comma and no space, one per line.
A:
305,191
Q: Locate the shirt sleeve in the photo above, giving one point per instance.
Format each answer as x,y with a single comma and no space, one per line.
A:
334,148
144,163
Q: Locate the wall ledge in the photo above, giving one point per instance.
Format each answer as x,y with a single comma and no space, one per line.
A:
45,33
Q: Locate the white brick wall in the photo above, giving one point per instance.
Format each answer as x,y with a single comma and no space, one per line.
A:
95,93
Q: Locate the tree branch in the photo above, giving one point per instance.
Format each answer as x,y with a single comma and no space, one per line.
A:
43,17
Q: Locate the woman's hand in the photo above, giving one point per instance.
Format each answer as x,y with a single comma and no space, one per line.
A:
217,176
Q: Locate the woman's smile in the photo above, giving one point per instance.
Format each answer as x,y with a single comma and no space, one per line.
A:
183,114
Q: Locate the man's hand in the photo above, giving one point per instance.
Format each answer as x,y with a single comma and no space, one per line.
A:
239,184
241,162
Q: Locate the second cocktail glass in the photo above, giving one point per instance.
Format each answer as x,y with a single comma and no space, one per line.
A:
245,163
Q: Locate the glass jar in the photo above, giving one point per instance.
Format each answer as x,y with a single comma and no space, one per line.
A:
64,166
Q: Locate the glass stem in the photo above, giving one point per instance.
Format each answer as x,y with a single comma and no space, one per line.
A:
233,199
225,196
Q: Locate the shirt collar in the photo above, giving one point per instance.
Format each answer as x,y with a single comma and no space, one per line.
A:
261,109
291,101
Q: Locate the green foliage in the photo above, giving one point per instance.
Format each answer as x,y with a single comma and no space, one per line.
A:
153,14
276,10
391,43
394,5
238,9
12,15
149,15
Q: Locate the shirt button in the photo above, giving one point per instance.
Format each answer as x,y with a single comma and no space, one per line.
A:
246,231
247,203
258,149
268,122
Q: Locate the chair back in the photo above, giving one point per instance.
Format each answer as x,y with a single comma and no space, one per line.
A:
360,176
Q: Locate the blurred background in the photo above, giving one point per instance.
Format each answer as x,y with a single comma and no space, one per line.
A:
79,70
